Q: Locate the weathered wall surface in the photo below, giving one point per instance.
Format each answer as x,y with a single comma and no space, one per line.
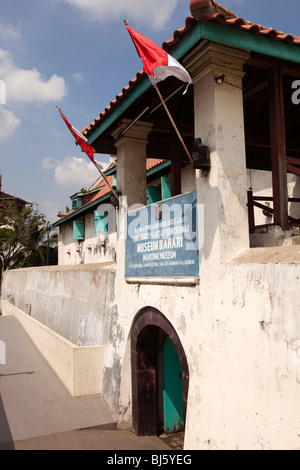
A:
245,392
95,248
240,329
74,301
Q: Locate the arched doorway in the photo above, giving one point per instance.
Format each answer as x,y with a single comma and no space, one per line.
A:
159,375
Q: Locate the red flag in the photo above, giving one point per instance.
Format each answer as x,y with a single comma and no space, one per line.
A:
79,138
158,64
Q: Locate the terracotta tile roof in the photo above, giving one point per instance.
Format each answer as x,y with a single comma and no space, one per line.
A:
88,200
153,162
210,7
220,15
243,25
99,182
89,128
226,17
104,190
10,196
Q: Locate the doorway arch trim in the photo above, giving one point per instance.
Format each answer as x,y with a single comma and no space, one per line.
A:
143,424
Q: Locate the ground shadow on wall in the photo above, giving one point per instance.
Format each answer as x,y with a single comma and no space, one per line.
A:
6,439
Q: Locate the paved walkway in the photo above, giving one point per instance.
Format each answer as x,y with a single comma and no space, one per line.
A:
38,413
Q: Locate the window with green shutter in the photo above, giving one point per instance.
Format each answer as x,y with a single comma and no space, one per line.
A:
78,229
77,202
100,221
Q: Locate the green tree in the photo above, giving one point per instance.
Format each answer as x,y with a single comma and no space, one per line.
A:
32,239
49,247
23,237
11,233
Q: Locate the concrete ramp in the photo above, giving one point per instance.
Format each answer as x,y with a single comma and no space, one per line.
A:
33,401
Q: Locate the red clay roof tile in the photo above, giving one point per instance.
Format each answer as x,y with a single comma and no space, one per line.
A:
222,16
153,162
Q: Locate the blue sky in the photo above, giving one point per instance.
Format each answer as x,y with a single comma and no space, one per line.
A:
77,54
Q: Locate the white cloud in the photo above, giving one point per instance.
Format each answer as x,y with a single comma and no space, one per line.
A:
50,209
73,173
48,163
78,77
28,86
153,12
8,122
8,32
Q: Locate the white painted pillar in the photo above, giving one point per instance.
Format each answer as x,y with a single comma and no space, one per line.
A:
131,175
131,161
220,124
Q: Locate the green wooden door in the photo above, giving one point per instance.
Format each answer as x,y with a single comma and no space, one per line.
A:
172,388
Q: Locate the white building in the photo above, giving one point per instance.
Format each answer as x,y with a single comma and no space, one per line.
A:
198,337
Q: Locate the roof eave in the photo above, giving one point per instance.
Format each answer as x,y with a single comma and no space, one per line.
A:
248,40
81,210
203,30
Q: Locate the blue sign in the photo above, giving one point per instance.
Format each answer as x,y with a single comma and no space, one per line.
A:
162,239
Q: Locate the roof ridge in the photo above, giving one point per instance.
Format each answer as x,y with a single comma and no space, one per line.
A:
220,9
209,7
211,11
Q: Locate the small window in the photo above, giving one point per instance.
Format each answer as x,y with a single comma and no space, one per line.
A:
78,229
100,220
77,202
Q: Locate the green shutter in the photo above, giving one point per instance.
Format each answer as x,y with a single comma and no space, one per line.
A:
153,194
78,229
100,221
165,187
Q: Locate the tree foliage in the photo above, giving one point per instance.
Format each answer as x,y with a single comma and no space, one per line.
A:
23,237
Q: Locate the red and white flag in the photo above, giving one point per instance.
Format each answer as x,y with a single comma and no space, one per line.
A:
158,64
79,138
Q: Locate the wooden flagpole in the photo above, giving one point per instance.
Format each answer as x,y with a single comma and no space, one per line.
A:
173,123
170,117
97,165
81,137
